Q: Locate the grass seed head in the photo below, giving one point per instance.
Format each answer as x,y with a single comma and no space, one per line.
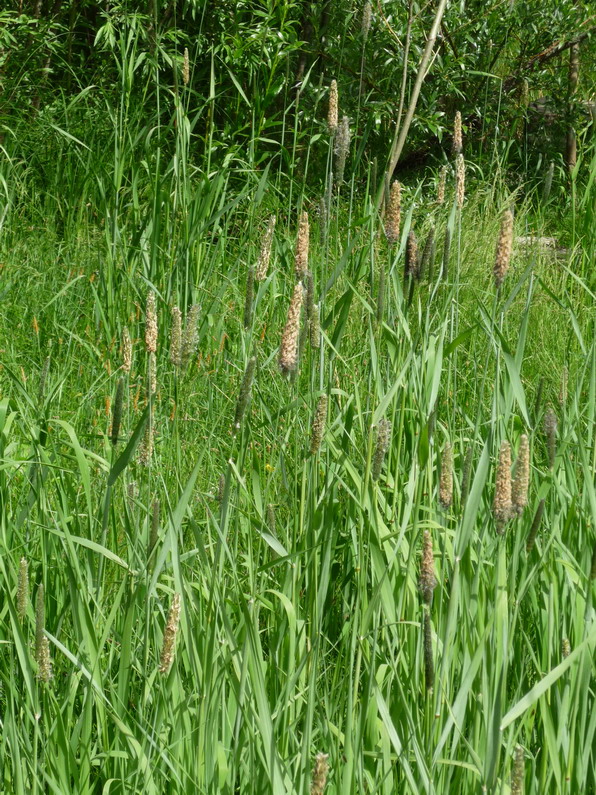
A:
126,350
502,501
23,589
186,67
393,214
314,327
412,269
427,580
318,426
152,375
441,185
288,349
42,646
168,648
319,774
302,246
565,648
504,248
550,431
366,19
332,113
382,445
446,480
457,136
265,253
176,337
517,773
521,480
151,323
189,337
460,181
342,147
146,446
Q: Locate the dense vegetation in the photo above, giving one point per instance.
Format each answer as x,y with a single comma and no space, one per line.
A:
297,423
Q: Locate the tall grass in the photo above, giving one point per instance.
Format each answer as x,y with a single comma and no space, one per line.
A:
295,566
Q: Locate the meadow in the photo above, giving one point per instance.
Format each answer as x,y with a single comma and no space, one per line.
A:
297,467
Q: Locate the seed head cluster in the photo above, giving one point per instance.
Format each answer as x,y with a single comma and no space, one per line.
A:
457,136
393,215
502,501
332,114
441,185
504,248
460,181
521,480
288,349
383,439
151,323
319,774
265,253
176,336
446,481
168,647
318,426
302,246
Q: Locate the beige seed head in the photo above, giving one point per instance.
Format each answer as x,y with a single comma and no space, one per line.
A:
288,349
186,68
23,589
332,114
504,248
151,324
342,147
427,581
126,350
146,446
393,215
176,338
319,774
412,255
265,254
457,137
168,647
383,440
460,181
302,244
441,185
152,378
318,426
521,480
42,646
502,501
446,481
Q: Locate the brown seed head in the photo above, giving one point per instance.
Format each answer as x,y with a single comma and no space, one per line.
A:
393,215
446,482
502,501
412,255
521,480
168,647
151,324
332,114
457,137
517,773
302,244
288,349
315,327
504,248
429,668
265,254
319,774
176,338
460,181
427,581
318,426
126,350
186,67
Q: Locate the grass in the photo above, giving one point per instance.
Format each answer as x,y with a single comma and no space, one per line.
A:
301,621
